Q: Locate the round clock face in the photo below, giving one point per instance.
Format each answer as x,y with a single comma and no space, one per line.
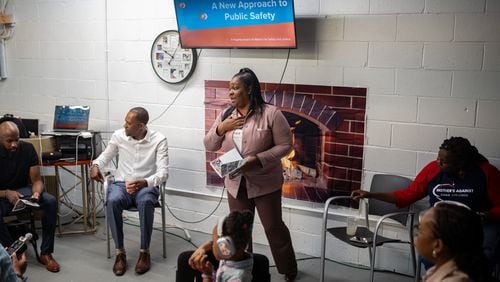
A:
170,61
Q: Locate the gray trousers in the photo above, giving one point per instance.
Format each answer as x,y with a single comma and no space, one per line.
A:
118,200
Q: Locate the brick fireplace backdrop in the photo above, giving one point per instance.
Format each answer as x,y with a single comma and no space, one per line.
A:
327,124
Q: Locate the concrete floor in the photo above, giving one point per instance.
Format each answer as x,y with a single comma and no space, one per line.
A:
83,258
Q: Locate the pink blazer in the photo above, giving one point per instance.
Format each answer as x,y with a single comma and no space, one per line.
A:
267,135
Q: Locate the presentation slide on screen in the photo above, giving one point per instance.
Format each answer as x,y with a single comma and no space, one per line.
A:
71,117
232,23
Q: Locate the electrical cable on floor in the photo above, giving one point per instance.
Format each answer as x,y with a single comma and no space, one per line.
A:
357,266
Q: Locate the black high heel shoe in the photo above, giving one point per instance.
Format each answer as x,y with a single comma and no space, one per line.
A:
290,276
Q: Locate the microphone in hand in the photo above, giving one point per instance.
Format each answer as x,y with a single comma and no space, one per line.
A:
20,245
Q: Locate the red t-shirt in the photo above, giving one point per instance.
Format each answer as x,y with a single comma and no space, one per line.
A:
479,190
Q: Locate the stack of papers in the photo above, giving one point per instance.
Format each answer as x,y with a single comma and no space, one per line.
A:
21,204
228,163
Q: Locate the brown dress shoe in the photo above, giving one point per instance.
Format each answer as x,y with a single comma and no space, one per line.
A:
120,265
49,262
143,263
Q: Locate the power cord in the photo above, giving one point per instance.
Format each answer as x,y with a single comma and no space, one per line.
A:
158,229
204,218
353,265
282,75
222,194
67,200
175,98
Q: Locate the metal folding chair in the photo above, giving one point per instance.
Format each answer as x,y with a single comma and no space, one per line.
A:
372,239
161,204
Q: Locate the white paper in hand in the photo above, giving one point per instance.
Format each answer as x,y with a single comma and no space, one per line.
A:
22,204
228,163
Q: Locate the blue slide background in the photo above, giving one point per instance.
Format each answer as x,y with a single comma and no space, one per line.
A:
190,16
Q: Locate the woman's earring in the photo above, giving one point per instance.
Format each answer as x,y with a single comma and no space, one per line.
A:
434,254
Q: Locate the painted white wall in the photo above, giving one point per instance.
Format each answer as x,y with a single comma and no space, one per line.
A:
432,69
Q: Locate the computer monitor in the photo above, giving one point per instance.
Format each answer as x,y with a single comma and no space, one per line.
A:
71,118
236,24
31,125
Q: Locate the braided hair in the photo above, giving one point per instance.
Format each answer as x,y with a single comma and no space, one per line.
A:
461,231
250,80
461,149
238,226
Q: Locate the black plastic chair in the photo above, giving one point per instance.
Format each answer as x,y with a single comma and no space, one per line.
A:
372,239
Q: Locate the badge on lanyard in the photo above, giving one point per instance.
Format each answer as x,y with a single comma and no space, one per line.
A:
238,133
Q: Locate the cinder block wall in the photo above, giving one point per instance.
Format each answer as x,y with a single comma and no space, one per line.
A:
432,69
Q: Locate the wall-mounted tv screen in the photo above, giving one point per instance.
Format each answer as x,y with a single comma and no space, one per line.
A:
236,23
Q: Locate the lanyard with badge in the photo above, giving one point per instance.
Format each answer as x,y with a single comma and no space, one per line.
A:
237,135
237,138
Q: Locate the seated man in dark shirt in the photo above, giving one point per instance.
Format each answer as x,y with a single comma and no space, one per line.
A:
20,177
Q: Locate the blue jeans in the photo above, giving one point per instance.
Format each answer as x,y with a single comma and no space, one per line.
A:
118,200
48,205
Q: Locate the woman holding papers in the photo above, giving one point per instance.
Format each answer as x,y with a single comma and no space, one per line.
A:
262,136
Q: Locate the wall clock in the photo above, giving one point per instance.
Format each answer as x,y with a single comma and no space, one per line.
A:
171,62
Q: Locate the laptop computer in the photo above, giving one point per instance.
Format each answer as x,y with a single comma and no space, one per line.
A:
70,120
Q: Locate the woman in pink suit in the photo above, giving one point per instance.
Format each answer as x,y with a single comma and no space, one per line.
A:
262,135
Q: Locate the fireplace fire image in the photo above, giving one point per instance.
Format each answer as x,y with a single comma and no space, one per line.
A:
327,125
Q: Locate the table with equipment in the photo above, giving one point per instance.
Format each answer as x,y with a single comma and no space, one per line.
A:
84,214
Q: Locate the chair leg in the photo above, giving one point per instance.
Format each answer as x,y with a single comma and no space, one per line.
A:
370,254
33,231
372,264
412,250
35,247
108,247
323,253
163,227
323,241
414,260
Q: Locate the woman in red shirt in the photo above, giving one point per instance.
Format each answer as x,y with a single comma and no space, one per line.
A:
459,174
